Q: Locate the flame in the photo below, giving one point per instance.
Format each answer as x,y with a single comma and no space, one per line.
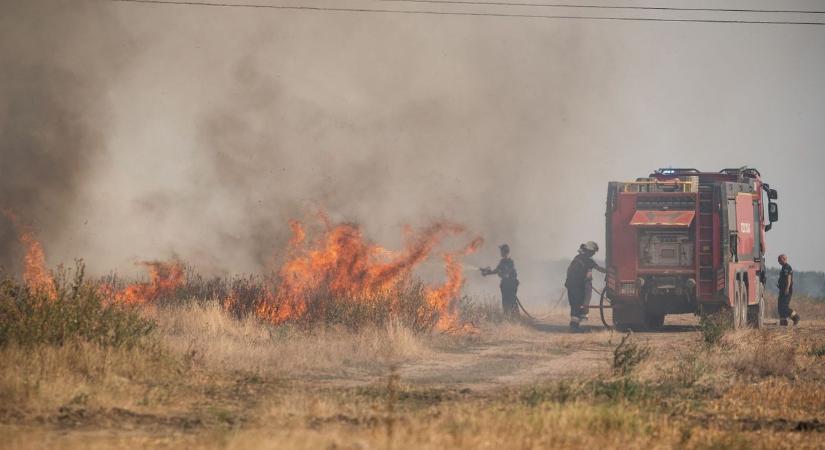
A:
36,275
164,278
347,266
340,263
444,298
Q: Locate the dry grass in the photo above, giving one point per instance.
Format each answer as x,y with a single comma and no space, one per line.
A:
207,380
809,308
216,340
42,379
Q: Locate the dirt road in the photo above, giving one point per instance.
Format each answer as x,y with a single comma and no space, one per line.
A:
516,354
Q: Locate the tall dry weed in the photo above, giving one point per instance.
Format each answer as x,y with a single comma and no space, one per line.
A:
44,378
761,353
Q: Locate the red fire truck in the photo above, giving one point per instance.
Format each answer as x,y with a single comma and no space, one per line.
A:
683,241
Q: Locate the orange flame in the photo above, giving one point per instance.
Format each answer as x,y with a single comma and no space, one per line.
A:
35,273
347,266
164,279
444,298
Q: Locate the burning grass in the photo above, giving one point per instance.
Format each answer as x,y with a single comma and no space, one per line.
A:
73,310
339,273
331,276
319,354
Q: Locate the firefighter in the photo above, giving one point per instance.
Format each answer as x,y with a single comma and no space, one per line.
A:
579,282
785,286
506,270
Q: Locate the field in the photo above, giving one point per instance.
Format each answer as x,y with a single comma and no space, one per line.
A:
193,374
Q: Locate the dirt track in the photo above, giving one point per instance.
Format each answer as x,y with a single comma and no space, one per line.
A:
522,354
509,355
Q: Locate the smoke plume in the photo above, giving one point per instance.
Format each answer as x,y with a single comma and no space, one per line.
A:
54,64
134,131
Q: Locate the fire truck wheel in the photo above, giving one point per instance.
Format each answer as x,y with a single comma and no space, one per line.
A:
756,313
654,321
740,305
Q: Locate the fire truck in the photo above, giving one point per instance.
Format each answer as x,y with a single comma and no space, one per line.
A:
683,241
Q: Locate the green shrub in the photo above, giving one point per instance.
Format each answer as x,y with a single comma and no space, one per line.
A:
78,312
628,355
713,327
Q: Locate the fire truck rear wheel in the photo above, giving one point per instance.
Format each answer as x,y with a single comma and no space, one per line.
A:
740,305
756,313
654,321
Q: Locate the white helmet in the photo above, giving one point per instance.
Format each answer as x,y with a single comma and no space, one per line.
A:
590,246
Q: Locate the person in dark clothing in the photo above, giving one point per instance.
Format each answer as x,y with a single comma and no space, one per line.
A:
785,286
506,270
579,282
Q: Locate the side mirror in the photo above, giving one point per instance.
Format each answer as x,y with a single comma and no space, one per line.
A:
773,212
772,194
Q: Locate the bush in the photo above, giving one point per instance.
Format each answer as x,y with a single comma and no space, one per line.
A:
628,355
406,304
77,312
475,311
713,328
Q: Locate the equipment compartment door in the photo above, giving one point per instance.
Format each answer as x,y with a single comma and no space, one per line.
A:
745,227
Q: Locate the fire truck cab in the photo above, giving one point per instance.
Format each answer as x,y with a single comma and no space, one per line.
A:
683,241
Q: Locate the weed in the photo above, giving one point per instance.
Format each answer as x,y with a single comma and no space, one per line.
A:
628,355
817,352
762,354
476,311
626,389
559,392
713,327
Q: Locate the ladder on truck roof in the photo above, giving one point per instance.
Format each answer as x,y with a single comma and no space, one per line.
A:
707,276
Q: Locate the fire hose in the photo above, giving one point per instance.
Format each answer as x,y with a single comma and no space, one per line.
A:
604,303
602,300
518,302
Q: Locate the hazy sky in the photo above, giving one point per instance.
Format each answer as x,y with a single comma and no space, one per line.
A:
209,127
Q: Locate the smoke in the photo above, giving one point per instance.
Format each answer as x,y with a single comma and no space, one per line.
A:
384,138
138,132
54,64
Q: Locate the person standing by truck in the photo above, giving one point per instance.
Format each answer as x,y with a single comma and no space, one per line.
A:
785,286
506,270
579,281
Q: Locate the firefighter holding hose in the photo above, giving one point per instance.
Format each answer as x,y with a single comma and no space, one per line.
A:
579,282
506,270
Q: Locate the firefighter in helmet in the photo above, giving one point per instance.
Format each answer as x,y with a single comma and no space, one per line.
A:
579,282
506,270
785,285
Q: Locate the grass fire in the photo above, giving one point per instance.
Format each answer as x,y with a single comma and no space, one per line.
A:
411,224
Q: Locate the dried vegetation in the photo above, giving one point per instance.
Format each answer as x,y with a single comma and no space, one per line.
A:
79,372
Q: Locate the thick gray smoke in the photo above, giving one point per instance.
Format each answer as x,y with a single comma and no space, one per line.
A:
54,66
229,121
